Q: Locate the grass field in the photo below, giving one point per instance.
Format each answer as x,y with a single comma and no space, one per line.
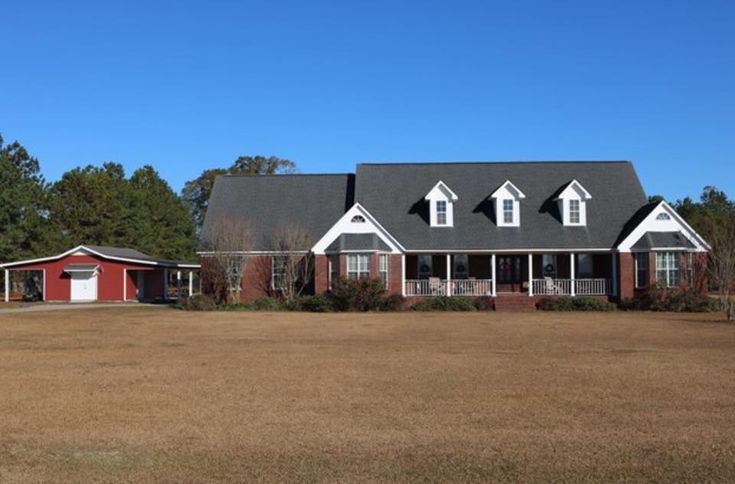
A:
156,395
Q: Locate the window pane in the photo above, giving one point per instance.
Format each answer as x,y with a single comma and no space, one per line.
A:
508,211
574,211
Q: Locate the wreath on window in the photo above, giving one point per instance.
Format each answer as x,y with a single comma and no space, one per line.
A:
424,268
549,268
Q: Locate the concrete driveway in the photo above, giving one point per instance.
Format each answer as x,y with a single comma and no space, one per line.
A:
32,308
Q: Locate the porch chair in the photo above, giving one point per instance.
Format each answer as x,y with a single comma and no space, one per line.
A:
550,287
435,286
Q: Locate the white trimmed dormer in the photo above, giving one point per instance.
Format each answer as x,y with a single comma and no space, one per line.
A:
441,205
507,201
573,204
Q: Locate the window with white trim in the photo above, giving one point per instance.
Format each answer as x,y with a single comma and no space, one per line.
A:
641,269
574,210
383,268
667,268
333,262
441,212
508,211
278,272
358,266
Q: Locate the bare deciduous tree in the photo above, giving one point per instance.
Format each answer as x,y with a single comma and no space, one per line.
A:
292,267
227,240
722,261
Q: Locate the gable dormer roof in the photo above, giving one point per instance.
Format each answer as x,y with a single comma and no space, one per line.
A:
442,189
508,188
573,189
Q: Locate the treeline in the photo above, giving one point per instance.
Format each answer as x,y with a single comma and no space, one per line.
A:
100,205
95,205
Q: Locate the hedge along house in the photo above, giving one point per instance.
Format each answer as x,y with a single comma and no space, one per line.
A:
502,230
92,273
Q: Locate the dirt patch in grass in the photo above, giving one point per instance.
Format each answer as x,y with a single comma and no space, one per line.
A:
151,395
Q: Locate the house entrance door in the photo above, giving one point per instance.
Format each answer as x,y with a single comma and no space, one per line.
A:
509,273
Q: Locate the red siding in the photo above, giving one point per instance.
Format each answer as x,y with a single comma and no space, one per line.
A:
109,278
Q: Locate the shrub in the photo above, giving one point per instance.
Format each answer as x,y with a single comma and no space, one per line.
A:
261,304
318,303
358,295
198,302
443,303
394,302
580,303
484,303
656,298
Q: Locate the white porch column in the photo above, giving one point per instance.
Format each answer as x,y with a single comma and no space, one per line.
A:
178,283
125,285
493,275
165,284
403,275
191,283
572,284
614,273
449,275
530,274
7,285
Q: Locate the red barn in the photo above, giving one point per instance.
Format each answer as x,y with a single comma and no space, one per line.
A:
93,273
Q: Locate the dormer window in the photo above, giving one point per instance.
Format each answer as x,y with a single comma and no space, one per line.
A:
572,201
441,212
574,210
441,205
507,199
508,211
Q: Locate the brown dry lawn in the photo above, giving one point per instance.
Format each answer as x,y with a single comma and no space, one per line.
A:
158,395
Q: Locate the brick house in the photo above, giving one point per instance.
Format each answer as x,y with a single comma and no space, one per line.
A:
468,229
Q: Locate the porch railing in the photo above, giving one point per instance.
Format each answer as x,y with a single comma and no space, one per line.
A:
455,287
472,287
426,287
563,287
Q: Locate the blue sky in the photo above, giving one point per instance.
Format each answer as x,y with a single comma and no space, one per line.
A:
190,85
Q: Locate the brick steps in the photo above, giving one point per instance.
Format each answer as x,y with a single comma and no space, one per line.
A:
514,302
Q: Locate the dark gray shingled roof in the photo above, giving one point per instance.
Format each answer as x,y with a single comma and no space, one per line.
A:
270,202
366,242
394,195
662,240
126,253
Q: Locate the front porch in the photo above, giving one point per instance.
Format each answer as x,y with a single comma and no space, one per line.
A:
474,275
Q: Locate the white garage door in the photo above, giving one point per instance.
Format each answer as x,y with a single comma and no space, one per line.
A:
84,286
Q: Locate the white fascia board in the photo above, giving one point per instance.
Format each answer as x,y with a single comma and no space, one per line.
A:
98,254
441,190
345,226
43,259
508,188
676,223
574,189
509,251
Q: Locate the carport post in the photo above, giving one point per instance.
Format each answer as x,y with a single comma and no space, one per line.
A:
178,283
191,283
7,285
165,284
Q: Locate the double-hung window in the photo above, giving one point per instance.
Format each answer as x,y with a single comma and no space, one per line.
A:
641,269
574,211
358,266
667,268
441,212
383,268
508,211
278,272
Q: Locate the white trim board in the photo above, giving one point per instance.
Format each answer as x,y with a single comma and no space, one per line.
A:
82,249
345,226
675,223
